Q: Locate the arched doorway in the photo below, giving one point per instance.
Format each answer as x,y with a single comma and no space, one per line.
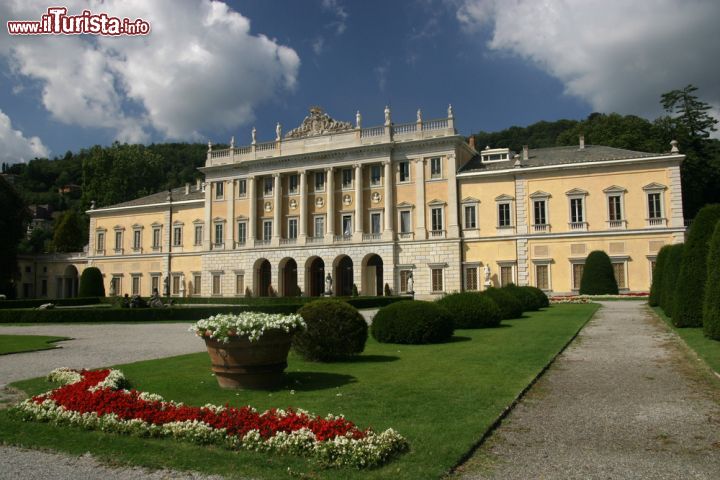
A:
372,275
343,276
288,278
263,277
315,277
70,282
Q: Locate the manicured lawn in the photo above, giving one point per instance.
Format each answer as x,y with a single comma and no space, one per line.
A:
27,343
706,348
442,398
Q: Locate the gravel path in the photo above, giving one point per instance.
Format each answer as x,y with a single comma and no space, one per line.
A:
625,401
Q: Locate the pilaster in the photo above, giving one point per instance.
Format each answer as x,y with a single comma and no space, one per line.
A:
330,197
359,217
252,212
420,230
388,233
453,229
302,227
277,210
676,208
231,225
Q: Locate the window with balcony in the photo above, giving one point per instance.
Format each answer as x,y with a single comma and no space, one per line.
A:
268,186
469,217
405,221
157,239
347,227
375,171
219,190
198,234
319,226
118,240
137,239
319,181
242,232
654,206
436,167
577,210
219,232
347,175
539,212
504,215
242,188
293,184
267,230
375,223
404,171
177,236
436,219
100,242
292,232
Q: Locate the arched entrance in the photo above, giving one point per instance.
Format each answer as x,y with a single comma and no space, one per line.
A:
263,277
372,275
343,276
315,277
70,282
288,278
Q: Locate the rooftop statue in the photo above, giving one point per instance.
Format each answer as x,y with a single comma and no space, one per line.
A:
318,123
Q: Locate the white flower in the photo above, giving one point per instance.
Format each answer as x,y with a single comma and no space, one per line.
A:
253,325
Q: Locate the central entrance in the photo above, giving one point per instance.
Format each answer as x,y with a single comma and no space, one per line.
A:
373,275
315,277
288,278
344,277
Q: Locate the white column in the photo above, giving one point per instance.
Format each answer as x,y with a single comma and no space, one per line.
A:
252,212
330,200
358,202
420,231
302,227
207,230
231,225
388,233
453,230
277,210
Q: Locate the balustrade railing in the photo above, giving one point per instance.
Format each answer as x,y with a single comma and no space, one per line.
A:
435,124
656,222
372,132
371,237
577,226
541,228
616,223
315,239
437,233
404,128
261,147
343,238
406,235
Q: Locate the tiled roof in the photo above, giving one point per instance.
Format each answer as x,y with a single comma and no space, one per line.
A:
178,195
558,156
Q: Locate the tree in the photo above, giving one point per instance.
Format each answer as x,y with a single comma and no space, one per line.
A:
657,277
690,113
711,305
91,283
13,217
598,277
670,279
70,233
693,270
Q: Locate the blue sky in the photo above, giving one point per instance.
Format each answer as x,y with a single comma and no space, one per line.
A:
210,70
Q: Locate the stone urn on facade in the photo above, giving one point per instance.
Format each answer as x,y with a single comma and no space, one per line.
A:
248,350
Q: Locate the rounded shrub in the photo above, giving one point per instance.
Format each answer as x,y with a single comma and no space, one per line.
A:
598,277
471,310
412,322
335,330
542,299
510,306
670,278
711,307
527,299
91,283
657,277
693,268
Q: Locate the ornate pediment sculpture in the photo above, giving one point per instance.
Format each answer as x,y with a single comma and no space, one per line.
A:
318,123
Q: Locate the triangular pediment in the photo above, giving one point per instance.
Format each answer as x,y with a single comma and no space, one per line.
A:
576,191
654,186
197,221
405,205
504,198
470,200
539,194
435,202
218,219
156,224
614,189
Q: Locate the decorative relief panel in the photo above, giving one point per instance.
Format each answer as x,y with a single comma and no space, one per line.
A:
318,123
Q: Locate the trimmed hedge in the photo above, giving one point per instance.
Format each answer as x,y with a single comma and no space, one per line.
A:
657,277
61,302
118,315
711,306
335,330
412,322
670,279
510,306
91,283
357,302
693,270
527,299
471,310
598,277
541,298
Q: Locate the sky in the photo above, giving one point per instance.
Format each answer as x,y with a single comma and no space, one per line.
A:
210,70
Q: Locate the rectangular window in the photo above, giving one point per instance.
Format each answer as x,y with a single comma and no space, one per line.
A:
347,178
577,271
218,234
542,277
177,236
436,216
292,228
540,212
375,223
136,239
506,275
176,285
116,284
293,184
242,233
470,216
614,208
347,225
577,214
619,271
118,240
242,188
156,238
239,284
654,207
155,283
404,171
219,190
435,167
100,242
471,278
197,284
405,225
319,181
652,269
404,276
437,279
216,284
319,227
43,287
135,285
267,186
504,219
198,234
375,175
267,230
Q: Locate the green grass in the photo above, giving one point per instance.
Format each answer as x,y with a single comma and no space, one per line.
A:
706,348
442,398
27,343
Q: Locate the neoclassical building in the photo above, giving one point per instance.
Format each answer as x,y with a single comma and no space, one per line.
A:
375,206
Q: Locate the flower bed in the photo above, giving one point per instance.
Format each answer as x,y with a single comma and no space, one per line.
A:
247,324
95,400
590,298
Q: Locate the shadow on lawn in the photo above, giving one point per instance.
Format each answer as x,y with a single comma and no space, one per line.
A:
369,359
309,381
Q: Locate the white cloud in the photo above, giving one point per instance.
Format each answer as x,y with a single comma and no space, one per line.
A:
199,70
381,73
341,15
616,55
16,147
318,45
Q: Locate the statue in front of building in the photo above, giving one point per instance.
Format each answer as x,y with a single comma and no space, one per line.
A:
155,300
410,284
486,272
328,284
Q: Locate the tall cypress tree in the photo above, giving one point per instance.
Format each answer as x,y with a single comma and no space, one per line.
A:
657,277
711,306
670,279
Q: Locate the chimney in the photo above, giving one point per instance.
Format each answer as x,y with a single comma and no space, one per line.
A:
471,141
518,163
582,142
187,188
526,153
